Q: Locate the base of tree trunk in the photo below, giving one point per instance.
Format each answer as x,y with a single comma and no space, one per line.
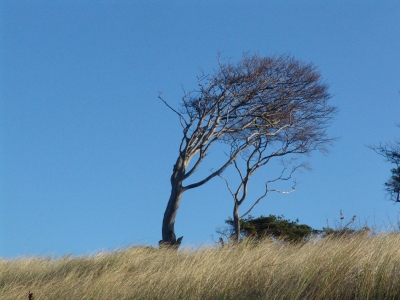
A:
170,245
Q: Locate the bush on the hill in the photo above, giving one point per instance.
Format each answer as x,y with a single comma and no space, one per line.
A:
278,227
273,226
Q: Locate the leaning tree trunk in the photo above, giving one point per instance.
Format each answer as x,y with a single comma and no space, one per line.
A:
236,223
168,230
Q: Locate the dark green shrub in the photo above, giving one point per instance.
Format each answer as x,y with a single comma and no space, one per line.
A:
273,226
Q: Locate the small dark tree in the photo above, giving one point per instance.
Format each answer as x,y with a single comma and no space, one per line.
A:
272,226
393,184
266,99
391,152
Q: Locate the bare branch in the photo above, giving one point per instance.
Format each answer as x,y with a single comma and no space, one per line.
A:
216,173
197,164
258,200
182,118
238,169
275,190
227,185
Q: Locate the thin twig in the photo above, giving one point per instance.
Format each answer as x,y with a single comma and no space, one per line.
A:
170,107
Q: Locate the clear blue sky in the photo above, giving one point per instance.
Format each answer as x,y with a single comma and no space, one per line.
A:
87,148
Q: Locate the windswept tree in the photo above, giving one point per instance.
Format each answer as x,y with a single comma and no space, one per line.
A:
267,99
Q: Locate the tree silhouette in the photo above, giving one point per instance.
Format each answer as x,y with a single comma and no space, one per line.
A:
391,152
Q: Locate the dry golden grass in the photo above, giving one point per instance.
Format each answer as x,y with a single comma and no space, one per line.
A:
358,267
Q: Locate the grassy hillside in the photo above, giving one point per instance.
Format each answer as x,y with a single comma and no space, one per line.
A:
358,267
